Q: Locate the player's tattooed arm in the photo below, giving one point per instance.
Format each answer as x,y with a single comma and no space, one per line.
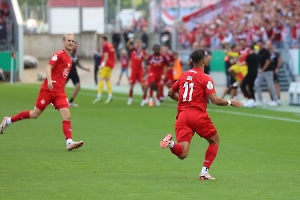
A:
173,95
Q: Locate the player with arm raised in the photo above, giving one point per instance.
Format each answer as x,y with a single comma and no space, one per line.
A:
191,91
53,91
137,55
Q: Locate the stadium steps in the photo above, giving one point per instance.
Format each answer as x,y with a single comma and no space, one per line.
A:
284,78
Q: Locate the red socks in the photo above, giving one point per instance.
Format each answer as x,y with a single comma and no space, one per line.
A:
67,129
130,93
177,149
144,96
210,155
22,115
151,93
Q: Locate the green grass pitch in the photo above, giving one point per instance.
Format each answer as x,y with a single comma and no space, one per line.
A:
121,158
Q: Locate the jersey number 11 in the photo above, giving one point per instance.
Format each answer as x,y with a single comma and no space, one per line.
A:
188,90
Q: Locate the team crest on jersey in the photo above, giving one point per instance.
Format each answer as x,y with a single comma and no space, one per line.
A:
42,101
54,58
210,85
66,72
69,65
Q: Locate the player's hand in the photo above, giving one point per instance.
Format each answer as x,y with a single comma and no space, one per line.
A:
260,71
50,84
88,69
276,71
236,103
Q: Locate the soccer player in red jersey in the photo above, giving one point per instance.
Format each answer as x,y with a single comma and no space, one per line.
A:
156,73
169,79
53,91
106,67
137,55
191,91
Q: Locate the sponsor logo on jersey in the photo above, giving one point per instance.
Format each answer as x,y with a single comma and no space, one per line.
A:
66,72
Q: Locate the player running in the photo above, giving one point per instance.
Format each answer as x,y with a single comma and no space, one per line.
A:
191,91
137,55
107,64
73,75
169,79
156,73
53,91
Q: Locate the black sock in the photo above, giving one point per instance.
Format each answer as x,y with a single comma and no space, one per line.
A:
71,100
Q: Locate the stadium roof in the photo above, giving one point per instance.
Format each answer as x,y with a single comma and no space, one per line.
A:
74,3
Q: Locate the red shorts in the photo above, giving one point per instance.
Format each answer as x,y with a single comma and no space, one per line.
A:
59,100
154,78
169,79
193,120
136,75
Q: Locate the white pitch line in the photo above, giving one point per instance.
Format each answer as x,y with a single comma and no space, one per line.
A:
213,110
220,111
256,115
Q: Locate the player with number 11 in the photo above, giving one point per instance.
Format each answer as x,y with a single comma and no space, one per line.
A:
191,91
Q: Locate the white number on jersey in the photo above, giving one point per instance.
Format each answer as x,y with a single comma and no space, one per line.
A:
188,90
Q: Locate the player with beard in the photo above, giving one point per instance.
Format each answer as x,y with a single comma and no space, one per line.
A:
191,91
157,64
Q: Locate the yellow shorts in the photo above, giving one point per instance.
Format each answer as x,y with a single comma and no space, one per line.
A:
240,71
105,72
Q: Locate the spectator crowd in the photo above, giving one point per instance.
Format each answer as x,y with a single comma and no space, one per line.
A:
275,20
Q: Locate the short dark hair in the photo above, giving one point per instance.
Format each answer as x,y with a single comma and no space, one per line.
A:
175,53
104,38
260,41
252,47
198,55
156,46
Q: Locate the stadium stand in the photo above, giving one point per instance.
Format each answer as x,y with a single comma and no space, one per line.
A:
278,20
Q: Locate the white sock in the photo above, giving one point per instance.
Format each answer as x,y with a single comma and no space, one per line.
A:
130,99
8,121
98,95
109,96
172,144
204,170
150,100
69,141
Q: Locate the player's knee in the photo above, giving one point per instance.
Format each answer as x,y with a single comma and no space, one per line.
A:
152,86
34,115
67,116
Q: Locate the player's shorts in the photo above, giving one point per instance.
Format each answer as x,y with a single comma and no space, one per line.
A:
105,72
193,121
240,71
59,100
169,79
136,75
74,77
276,80
154,79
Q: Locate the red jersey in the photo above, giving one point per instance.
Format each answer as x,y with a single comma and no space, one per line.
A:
157,63
124,60
243,54
62,64
109,48
170,59
137,59
194,87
